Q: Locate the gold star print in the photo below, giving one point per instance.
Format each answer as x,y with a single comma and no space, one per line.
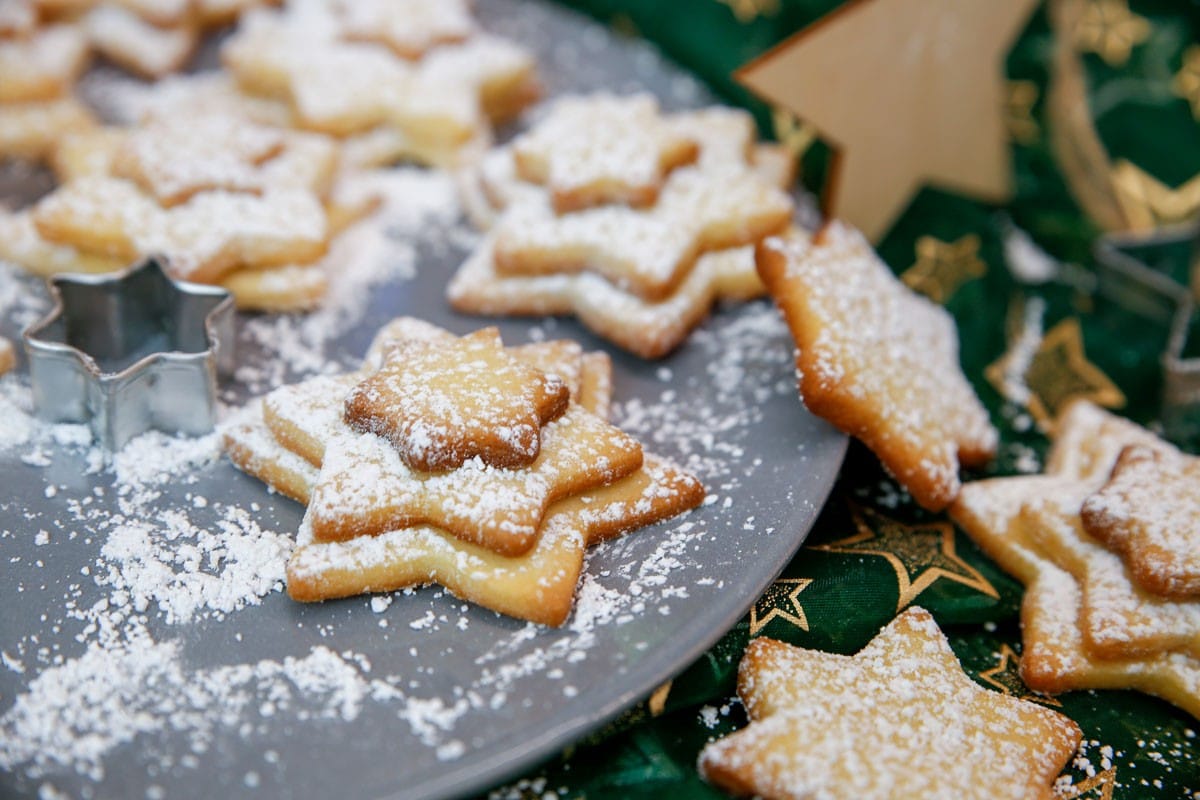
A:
774,605
750,10
942,267
1006,677
1056,373
920,554
1103,784
1148,203
929,73
1187,80
1110,30
1022,127
792,132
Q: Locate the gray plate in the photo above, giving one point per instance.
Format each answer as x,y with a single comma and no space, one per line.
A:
425,697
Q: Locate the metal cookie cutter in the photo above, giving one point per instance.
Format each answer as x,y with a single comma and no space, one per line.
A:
130,351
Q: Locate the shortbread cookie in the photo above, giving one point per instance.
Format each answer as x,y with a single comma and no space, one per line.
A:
280,290
443,101
1087,440
253,449
41,66
86,153
1055,657
815,725
877,360
172,160
32,130
203,239
21,244
648,329
1118,619
538,586
1149,514
409,27
442,405
8,356
366,489
602,149
647,252
138,45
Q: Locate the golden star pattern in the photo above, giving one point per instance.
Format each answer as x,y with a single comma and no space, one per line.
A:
792,132
929,72
1018,116
1187,80
1057,373
780,602
750,10
1006,677
1110,30
920,554
1149,204
1101,785
942,267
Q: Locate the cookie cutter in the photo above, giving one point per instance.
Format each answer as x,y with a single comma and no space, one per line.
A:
130,351
1164,295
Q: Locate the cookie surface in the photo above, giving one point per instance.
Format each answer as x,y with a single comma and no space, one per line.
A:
602,149
1055,656
538,586
441,405
877,360
1149,514
815,726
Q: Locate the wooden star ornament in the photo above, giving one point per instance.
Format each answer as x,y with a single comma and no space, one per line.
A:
899,719
909,92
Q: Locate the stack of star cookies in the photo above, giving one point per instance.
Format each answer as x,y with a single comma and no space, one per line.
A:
392,79
1107,542
459,461
634,220
223,200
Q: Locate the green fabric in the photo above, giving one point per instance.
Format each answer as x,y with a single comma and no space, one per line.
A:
1140,117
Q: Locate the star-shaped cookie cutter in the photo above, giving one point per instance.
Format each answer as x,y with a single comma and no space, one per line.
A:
131,351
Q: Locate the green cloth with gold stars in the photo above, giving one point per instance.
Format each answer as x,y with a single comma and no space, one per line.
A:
1093,254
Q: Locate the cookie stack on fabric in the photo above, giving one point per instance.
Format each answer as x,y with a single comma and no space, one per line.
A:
634,220
458,461
1106,544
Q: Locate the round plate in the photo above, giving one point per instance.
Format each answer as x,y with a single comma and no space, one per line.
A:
147,648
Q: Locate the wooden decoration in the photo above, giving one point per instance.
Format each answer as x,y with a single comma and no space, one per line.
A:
907,92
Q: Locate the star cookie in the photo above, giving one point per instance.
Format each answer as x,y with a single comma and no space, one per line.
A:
492,191
139,45
173,161
1056,656
409,27
441,406
877,360
1091,629
602,149
537,585
1149,514
646,328
899,719
203,238
650,251
366,489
